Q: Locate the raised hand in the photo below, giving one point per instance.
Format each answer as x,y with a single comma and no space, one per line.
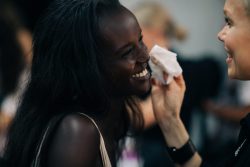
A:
167,99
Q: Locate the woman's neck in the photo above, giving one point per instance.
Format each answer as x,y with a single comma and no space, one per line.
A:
113,126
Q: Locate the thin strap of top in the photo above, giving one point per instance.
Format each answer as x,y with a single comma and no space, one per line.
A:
104,154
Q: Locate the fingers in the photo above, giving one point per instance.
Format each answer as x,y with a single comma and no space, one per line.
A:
179,78
180,81
157,87
165,76
155,82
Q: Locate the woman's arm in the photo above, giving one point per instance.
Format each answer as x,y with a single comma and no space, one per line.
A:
76,143
167,101
147,112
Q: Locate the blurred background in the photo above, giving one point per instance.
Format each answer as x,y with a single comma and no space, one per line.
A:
213,104
202,19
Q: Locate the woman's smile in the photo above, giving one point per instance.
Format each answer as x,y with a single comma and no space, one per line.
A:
143,75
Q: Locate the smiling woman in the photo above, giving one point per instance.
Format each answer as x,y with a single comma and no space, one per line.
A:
126,55
236,37
89,63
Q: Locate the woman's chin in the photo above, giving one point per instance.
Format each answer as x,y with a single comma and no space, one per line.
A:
144,94
144,89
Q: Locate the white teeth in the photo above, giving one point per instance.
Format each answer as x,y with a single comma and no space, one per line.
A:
141,74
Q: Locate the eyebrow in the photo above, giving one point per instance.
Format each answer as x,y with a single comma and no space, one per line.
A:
225,11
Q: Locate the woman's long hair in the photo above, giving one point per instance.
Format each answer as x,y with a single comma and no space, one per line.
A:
65,71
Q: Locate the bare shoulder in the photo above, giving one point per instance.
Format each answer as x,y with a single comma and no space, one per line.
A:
76,124
75,143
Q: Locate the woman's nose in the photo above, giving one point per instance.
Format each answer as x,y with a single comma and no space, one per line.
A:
143,54
221,35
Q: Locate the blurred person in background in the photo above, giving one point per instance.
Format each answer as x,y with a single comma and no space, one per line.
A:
15,58
30,11
236,110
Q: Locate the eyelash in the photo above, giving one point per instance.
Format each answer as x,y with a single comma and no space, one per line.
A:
140,39
228,21
128,52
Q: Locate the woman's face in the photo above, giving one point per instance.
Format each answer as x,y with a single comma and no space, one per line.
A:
236,38
126,58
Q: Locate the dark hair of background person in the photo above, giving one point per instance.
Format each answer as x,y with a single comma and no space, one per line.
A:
31,10
11,58
66,73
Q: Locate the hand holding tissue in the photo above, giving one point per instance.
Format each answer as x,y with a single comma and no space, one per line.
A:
162,60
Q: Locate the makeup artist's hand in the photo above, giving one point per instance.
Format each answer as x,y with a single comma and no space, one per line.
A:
167,99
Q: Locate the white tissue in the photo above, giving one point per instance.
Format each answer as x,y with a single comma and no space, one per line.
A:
161,60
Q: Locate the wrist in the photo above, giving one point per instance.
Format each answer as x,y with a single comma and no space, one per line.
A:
174,132
168,121
183,154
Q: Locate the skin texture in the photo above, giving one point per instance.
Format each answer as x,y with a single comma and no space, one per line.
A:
76,135
125,54
72,143
236,36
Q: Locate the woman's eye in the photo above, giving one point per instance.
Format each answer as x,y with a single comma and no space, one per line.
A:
131,49
228,21
141,42
127,52
141,39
